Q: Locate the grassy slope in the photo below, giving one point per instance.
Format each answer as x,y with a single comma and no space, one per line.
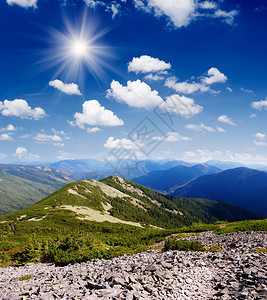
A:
21,186
62,238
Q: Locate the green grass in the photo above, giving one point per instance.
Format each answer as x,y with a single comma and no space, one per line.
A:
62,238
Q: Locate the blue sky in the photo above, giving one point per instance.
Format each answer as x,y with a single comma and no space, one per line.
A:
103,79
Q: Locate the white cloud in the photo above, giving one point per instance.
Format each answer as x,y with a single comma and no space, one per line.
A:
226,120
21,152
95,114
114,8
220,129
229,89
172,137
5,137
20,108
202,155
93,3
42,137
135,94
9,127
260,105
202,127
214,76
67,88
93,130
185,87
3,156
207,5
182,106
179,12
226,16
23,3
147,64
154,77
247,91
62,155
260,136
257,143
111,143
253,116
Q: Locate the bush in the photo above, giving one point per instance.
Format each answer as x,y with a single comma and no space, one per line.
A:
183,245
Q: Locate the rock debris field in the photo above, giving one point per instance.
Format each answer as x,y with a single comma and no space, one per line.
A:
237,272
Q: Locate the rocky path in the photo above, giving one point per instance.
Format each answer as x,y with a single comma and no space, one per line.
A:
234,273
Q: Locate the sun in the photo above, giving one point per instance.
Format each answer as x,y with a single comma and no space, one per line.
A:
80,48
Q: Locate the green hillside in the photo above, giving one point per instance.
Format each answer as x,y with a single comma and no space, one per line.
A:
21,186
90,219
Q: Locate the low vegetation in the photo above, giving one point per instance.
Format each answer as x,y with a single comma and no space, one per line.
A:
44,232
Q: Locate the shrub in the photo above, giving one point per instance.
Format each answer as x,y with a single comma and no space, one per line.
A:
183,245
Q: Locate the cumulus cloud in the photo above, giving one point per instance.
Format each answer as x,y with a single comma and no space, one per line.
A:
147,64
179,13
93,130
111,143
5,137
9,127
207,5
252,116
67,88
20,108
260,136
23,3
202,127
154,77
226,120
181,105
185,87
220,129
42,137
214,76
21,152
135,94
260,105
172,137
95,114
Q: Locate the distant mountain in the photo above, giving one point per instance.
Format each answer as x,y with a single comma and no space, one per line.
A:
79,166
224,165
126,168
21,186
244,187
165,180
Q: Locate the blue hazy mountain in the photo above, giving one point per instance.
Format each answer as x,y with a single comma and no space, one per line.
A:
243,187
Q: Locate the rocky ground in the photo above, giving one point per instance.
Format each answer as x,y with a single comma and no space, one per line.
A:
237,272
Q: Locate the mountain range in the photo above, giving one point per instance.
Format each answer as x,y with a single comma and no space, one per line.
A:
165,180
23,185
244,187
